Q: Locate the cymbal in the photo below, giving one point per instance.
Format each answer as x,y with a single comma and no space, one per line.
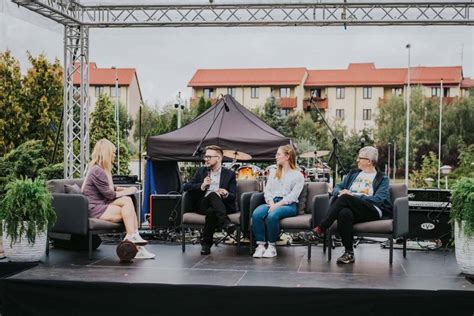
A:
237,155
314,154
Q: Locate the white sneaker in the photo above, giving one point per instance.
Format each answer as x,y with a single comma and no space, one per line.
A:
144,254
270,252
136,239
259,251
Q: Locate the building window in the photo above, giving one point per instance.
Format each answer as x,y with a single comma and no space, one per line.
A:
446,92
435,91
397,91
367,92
284,112
98,91
285,92
254,93
208,93
231,91
340,114
315,93
114,91
340,93
367,114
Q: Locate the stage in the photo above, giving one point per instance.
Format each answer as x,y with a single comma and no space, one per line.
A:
427,282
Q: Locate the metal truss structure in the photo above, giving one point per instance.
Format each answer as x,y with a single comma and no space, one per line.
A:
78,19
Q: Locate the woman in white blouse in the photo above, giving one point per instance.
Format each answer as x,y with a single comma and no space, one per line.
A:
282,190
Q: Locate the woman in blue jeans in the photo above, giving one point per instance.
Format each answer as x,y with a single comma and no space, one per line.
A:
282,190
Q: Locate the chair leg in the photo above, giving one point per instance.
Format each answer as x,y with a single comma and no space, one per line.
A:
309,249
251,241
404,246
324,245
239,236
183,241
47,244
90,245
391,250
329,243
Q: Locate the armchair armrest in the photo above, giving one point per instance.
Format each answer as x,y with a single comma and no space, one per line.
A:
400,216
72,211
320,206
186,203
245,209
256,200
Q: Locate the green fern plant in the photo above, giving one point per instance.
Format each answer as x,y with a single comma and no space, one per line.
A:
463,204
26,208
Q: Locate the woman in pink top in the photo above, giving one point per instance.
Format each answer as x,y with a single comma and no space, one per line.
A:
109,203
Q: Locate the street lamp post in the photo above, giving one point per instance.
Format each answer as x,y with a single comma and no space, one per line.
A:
407,140
394,159
445,170
439,136
117,116
179,107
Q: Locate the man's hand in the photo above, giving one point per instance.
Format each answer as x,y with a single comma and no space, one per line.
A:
345,191
222,192
207,182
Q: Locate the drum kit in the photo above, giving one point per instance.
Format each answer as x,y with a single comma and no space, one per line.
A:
247,171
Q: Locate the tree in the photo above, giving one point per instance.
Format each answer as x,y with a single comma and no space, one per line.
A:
13,117
103,125
272,116
429,169
42,99
203,105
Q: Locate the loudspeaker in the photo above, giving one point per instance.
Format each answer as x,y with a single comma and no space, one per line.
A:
165,211
430,224
75,242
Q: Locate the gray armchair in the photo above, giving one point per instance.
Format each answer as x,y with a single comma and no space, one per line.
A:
396,227
312,201
191,219
72,212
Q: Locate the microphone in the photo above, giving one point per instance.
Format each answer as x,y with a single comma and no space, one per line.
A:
208,170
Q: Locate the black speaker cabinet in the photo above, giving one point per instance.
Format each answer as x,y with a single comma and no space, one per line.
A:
165,210
430,224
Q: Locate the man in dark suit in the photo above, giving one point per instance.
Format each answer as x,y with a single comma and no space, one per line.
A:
213,189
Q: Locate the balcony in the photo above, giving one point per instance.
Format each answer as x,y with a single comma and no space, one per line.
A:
288,103
321,103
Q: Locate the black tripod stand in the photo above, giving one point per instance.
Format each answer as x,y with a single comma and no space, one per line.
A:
335,144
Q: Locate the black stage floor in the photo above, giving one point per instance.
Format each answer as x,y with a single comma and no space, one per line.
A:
224,283
426,270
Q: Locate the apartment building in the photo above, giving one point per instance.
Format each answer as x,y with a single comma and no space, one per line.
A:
102,81
351,96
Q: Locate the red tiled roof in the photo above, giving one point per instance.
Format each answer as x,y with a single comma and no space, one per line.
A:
367,74
467,83
247,77
106,76
433,75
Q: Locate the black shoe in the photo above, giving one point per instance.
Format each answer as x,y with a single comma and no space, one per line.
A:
347,257
229,228
205,250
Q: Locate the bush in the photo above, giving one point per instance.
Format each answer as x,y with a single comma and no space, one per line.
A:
463,204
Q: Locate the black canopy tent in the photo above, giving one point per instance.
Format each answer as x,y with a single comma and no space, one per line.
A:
236,129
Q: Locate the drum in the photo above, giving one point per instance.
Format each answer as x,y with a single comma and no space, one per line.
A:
248,172
269,169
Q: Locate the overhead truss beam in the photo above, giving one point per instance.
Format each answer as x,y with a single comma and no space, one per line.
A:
247,15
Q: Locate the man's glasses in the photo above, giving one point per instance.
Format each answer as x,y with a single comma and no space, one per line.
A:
209,157
362,158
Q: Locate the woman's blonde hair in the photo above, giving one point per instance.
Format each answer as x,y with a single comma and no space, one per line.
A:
103,154
290,151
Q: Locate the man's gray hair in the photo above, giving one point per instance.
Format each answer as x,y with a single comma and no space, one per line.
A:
370,152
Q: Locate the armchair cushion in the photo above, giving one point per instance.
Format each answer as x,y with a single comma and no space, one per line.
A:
384,226
99,224
58,185
193,218
72,188
296,222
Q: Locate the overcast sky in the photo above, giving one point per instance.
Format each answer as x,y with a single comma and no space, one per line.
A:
167,58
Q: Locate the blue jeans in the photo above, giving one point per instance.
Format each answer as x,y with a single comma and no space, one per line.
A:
261,218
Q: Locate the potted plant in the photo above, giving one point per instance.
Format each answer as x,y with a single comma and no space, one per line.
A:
462,214
26,213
